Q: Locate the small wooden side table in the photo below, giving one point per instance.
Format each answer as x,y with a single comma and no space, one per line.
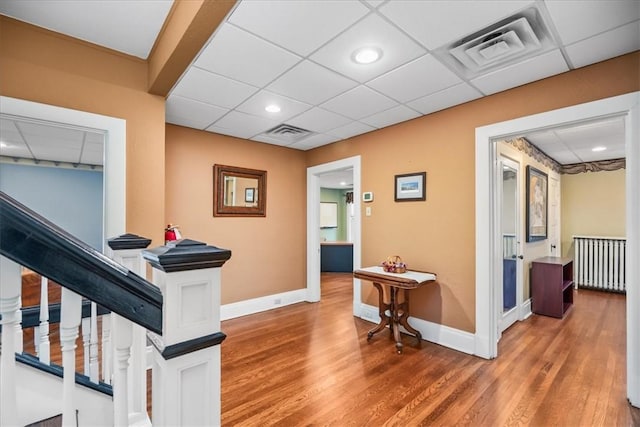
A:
398,311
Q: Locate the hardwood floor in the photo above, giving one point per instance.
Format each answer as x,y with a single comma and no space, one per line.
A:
310,364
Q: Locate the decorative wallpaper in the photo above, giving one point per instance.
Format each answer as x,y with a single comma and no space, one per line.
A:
531,150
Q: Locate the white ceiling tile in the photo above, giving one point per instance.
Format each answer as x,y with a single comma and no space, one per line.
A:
94,138
435,23
314,141
127,26
418,78
389,117
9,133
578,19
532,69
318,120
213,89
375,3
612,43
273,141
194,114
351,129
15,149
288,107
40,135
56,153
234,53
372,31
586,155
311,83
92,153
565,157
358,103
300,26
241,125
446,98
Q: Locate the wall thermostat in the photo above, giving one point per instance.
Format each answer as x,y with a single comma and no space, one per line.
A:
367,196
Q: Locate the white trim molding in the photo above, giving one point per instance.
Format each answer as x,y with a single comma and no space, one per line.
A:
625,106
313,226
257,305
438,334
115,173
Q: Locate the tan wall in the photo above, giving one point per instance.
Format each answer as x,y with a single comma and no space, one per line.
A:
268,254
439,235
593,204
42,66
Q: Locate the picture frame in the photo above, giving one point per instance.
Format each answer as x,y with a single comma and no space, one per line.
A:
411,187
537,204
249,195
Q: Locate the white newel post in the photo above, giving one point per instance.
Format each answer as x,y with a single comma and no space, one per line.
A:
10,291
126,250
186,368
70,316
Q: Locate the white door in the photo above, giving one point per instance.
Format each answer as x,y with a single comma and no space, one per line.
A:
510,235
554,215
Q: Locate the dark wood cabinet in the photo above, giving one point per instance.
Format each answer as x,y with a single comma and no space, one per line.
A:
551,286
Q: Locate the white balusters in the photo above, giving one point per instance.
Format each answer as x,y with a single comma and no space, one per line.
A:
126,250
44,345
71,312
107,362
122,345
86,336
94,365
10,291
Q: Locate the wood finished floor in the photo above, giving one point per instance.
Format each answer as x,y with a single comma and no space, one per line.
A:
310,364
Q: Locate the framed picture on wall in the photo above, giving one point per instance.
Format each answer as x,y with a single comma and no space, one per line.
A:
537,202
249,195
411,187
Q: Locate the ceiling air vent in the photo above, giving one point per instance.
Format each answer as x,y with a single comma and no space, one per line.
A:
287,133
508,41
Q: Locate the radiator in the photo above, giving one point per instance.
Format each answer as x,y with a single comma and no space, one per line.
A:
599,263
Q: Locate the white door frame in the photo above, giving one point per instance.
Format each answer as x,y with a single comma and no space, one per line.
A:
626,106
313,227
114,178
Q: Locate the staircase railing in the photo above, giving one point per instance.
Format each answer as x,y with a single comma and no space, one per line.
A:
138,310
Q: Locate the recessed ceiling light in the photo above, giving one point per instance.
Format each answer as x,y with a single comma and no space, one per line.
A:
343,183
367,55
272,108
598,148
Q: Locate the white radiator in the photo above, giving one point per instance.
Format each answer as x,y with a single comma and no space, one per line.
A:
599,263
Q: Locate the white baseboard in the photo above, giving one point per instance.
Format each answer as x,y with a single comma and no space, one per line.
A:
256,305
525,309
432,332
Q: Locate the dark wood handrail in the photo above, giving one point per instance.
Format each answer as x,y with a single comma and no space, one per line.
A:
31,240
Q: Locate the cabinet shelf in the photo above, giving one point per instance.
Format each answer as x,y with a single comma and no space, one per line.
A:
551,286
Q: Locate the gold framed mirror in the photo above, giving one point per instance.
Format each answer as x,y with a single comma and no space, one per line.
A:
239,191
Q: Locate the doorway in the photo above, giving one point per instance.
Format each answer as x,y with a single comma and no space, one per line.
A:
313,227
114,180
625,106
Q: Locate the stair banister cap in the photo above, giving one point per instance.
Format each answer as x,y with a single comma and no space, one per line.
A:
186,254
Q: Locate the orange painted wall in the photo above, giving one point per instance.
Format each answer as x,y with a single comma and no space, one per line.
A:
268,253
46,67
439,235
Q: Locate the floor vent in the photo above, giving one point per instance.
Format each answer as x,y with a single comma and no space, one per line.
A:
508,41
287,133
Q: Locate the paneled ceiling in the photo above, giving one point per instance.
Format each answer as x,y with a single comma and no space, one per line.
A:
299,59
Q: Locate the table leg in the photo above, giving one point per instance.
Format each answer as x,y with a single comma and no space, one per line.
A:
382,311
403,318
394,319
